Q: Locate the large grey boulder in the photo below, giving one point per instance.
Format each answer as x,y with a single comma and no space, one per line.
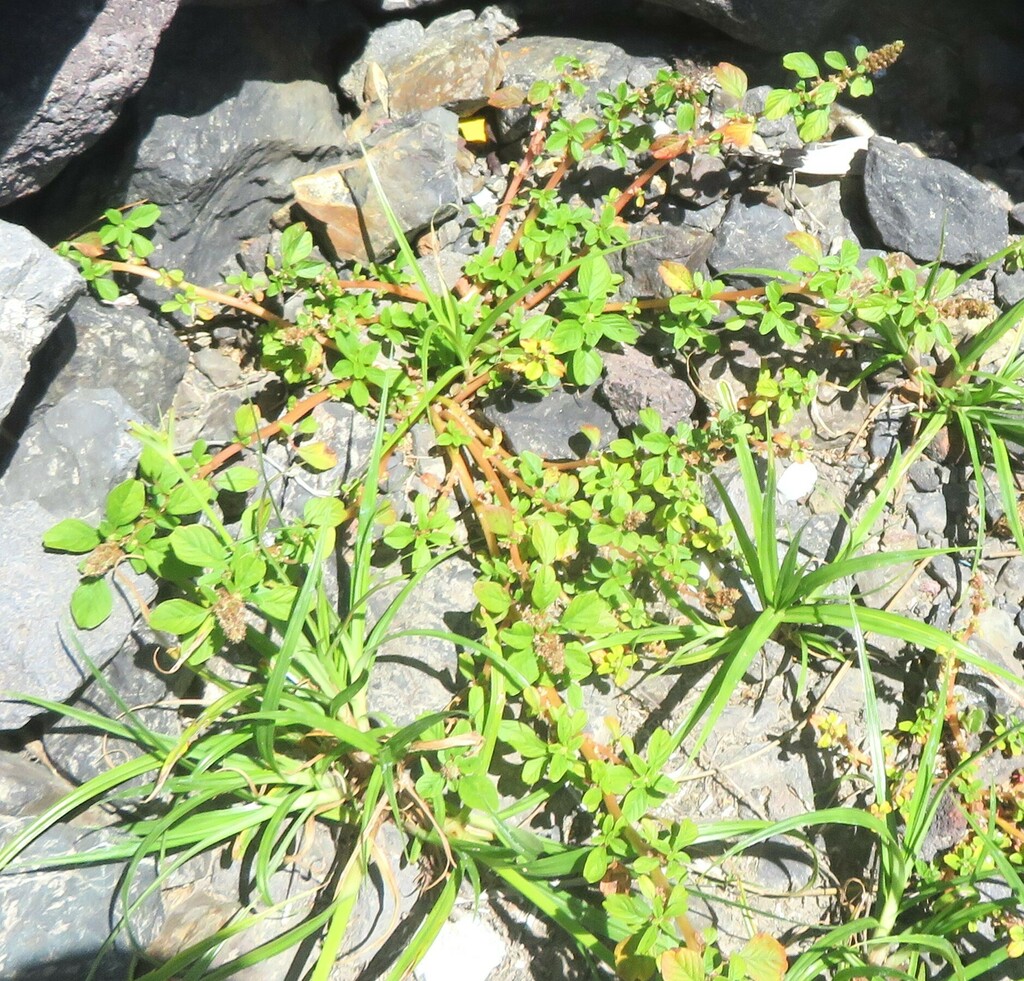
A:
36,290
41,650
238,104
776,25
928,207
66,71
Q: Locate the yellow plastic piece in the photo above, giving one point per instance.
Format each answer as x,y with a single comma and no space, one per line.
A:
473,129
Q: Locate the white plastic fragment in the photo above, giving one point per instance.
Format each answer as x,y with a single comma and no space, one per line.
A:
832,159
797,481
464,950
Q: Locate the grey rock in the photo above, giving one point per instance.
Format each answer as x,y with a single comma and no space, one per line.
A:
54,921
1009,286
768,24
414,159
752,235
551,426
71,455
928,512
64,79
80,751
821,211
42,650
218,148
652,244
28,788
925,476
913,200
454,63
36,290
116,347
700,181
223,372
633,381
415,675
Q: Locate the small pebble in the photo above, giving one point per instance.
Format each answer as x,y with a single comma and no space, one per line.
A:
797,481
464,950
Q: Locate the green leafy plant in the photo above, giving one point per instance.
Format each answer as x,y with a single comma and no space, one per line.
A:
588,570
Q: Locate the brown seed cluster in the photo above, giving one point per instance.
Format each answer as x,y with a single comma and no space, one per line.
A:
229,611
883,58
102,559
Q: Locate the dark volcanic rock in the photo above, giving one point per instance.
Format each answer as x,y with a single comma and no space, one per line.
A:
771,24
65,74
752,235
913,201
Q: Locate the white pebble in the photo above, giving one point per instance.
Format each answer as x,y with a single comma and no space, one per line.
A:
797,481
464,950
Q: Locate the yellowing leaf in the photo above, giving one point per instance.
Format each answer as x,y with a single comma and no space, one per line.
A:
737,133
318,455
806,243
764,958
669,147
682,964
733,80
630,966
473,129
676,276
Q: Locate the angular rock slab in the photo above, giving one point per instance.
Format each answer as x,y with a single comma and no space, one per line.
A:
912,200
454,63
119,347
238,106
38,640
774,25
64,78
752,235
36,290
414,160
73,454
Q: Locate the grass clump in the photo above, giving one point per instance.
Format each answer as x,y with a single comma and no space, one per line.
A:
587,570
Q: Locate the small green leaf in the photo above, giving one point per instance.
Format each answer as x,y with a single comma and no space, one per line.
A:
589,614
296,244
237,480
71,535
91,603
801,63
779,102
544,540
595,276
198,545
479,793
586,367
861,86
125,502
814,125
545,589
324,512
836,60
247,420
492,596
143,216
178,617
275,601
